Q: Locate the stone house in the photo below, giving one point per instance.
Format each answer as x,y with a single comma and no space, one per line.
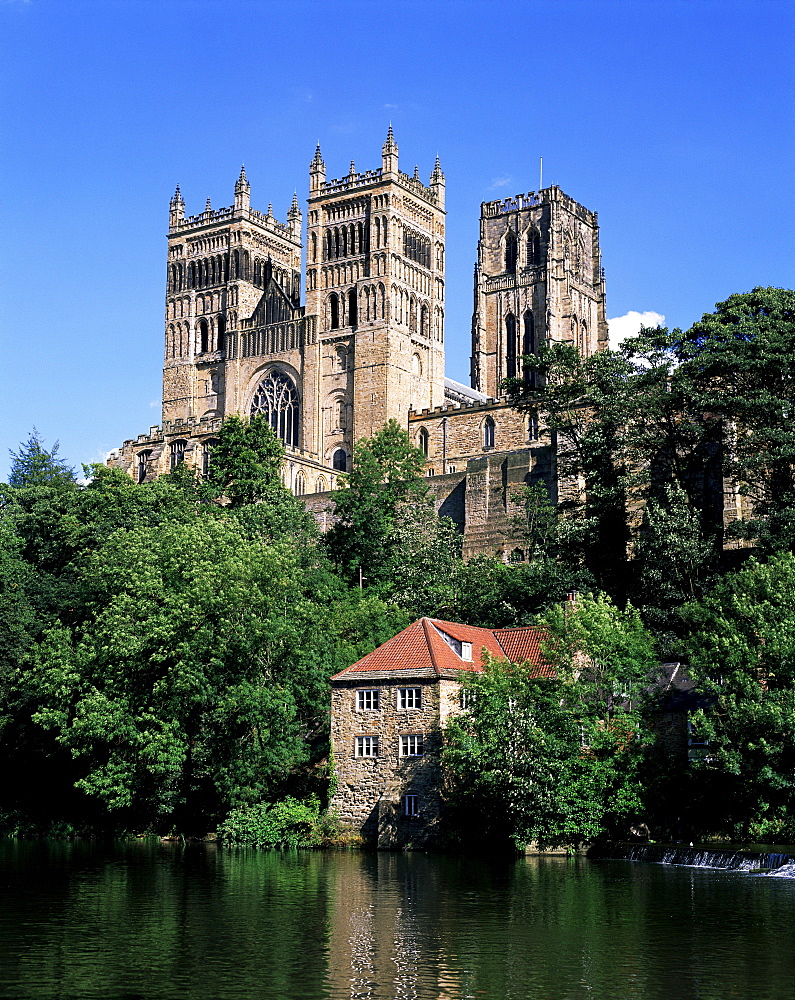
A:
387,714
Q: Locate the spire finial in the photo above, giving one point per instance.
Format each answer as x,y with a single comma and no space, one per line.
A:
416,172
208,207
270,210
294,206
390,146
243,172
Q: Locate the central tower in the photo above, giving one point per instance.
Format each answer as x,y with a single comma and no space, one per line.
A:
375,282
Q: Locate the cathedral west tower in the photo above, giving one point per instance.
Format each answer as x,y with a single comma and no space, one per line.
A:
375,282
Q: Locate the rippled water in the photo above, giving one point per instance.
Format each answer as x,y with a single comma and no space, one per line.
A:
152,921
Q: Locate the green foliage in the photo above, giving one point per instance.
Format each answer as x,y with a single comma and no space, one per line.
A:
526,768
605,656
742,653
490,593
386,478
287,824
33,465
245,463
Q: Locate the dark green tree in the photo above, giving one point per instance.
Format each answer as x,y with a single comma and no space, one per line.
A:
246,461
524,767
33,465
742,653
386,477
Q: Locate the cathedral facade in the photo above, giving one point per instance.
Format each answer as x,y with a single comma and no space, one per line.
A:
367,345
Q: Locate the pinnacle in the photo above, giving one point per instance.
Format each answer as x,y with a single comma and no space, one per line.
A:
208,206
294,206
270,210
243,173
416,172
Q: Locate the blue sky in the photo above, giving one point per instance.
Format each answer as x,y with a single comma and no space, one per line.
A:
674,120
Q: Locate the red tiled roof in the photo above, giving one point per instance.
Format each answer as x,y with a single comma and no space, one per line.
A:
422,648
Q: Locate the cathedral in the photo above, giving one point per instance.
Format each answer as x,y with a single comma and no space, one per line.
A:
367,344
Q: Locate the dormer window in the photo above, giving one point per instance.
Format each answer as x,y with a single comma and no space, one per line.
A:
466,651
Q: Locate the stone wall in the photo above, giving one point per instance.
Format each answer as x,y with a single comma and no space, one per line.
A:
370,791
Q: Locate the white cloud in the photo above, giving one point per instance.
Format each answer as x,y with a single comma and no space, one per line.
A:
629,324
500,182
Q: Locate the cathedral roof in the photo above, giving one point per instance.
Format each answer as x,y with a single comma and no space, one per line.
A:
434,648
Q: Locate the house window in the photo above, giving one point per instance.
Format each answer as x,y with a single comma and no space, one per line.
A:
412,746
488,433
467,698
466,651
409,697
422,441
366,746
411,805
367,701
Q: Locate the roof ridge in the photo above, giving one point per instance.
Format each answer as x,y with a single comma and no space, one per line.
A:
428,639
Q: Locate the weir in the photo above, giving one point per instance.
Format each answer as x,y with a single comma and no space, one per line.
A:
770,862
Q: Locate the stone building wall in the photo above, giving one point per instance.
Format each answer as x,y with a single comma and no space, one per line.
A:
370,791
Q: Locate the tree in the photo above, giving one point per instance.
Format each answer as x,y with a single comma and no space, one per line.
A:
583,400
673,562
386,476
33,465
526,768
605,656
741,648
246,461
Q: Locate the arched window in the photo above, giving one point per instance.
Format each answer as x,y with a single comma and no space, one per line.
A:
516,556
424,326
314,246
221,327
334,310
320,485
511,253
532,426
176,453
422,441
141,466
341,359
204,336
300,485
533,248
340,414
416,366
340,460
276,399
510,345
488,433
352,308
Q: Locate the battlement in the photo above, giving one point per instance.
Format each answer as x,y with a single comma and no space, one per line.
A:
520,202
501,402
226,216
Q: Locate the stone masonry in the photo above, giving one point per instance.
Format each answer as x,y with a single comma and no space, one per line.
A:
368,345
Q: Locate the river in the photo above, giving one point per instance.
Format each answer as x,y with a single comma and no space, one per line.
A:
142,920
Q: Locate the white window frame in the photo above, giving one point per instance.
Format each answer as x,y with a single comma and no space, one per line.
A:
411,805
412,745
366,746
362,699
409,698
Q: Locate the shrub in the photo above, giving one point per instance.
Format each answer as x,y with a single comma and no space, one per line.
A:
290,823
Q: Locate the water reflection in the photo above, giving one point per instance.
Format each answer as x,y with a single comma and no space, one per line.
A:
155,921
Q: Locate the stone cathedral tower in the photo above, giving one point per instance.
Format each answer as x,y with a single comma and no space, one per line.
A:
538,280
220,266
375,282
